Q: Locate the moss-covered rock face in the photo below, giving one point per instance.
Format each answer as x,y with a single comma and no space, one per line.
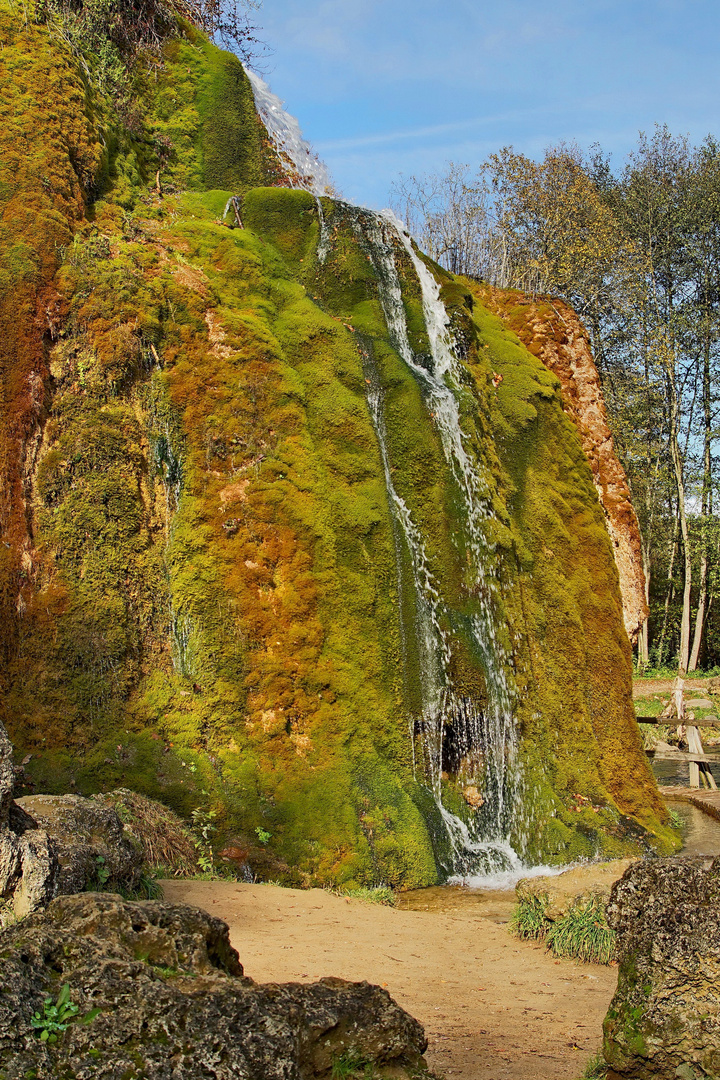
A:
207,594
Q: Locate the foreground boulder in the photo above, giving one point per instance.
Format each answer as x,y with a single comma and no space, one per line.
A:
664,1021
94,849
173,1003
28,861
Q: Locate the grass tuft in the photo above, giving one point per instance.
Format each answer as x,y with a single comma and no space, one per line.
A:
377,894
583,933
596,1068
529,919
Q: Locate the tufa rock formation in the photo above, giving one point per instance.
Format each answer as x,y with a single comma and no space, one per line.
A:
552,332
93,848
171,1000
229,503
664,1020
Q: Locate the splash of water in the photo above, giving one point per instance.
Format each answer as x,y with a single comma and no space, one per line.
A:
284,130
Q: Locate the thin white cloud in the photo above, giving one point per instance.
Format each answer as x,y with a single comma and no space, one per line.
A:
388,137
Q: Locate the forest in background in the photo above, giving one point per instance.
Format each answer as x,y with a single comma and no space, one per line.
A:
636,252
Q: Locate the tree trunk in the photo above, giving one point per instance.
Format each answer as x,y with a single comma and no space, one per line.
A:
676,456
668,594
644,636
706,490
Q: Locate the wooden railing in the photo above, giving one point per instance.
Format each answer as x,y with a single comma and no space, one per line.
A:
676,715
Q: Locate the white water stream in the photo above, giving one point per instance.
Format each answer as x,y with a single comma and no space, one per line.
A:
284,130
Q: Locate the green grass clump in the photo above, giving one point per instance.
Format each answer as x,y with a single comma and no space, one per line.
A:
529,919
583,933
596,1068
380,894
352,1064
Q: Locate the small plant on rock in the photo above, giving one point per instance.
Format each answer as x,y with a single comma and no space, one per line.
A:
102,873
57,1016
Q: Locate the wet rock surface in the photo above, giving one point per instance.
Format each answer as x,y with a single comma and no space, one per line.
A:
664,1020
94,850
173,1002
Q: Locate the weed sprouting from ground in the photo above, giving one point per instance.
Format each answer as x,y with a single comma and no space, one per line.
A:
583,933
147,888
529,919
596,1069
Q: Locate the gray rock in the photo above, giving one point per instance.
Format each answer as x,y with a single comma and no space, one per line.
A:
174,1004
664,1020
38,873
28,863
93,847
7,777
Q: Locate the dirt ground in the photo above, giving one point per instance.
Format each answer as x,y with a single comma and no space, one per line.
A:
493,1008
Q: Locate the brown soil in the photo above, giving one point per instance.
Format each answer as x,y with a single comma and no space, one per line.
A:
493,1008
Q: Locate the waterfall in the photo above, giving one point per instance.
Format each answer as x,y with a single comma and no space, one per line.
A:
482,738
284,130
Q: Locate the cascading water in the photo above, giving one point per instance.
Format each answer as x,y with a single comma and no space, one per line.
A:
482,738
287,138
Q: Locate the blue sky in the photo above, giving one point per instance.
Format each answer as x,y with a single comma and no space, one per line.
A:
382,88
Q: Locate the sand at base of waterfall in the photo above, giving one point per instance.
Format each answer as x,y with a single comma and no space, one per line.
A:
493,1008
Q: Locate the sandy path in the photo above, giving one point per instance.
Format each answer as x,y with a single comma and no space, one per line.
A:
493,1008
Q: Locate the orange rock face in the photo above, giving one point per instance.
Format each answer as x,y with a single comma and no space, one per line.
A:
555,334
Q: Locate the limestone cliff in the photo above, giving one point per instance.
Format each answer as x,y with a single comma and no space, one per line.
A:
277,543
553,332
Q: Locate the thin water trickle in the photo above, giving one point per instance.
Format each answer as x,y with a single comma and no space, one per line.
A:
483,737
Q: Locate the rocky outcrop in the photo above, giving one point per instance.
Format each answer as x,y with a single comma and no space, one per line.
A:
664,1021
93,848
172,1001
554,333
28,861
